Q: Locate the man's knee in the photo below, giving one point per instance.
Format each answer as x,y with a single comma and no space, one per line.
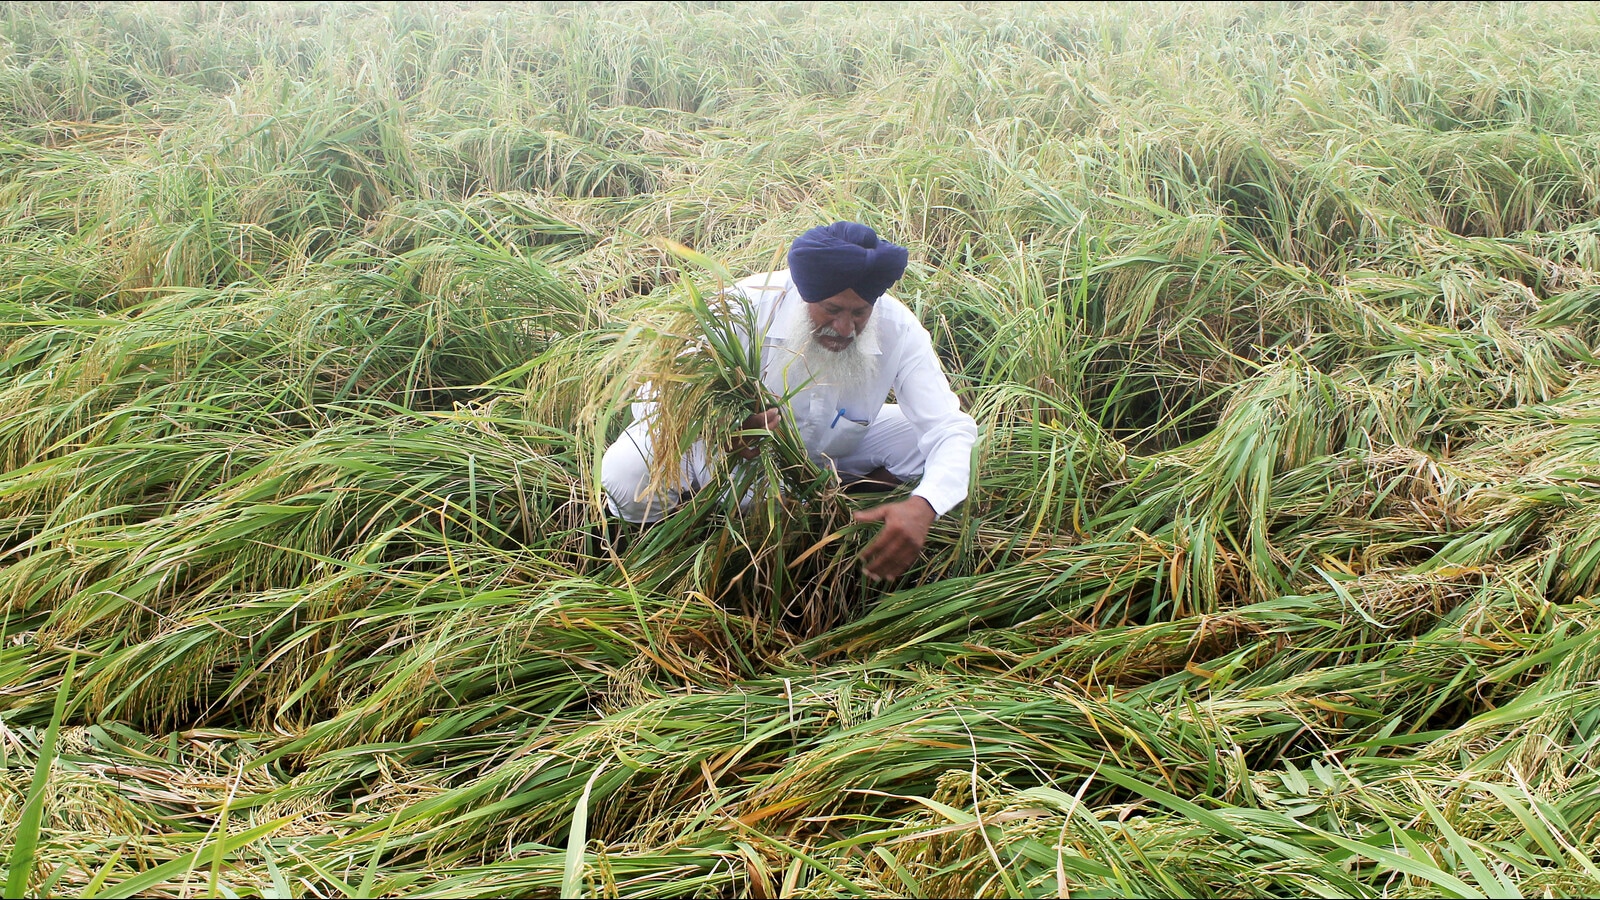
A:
625,474
898,447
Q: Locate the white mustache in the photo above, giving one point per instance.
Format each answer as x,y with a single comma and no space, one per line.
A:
843,363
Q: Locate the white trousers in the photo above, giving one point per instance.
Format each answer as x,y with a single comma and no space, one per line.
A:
889,441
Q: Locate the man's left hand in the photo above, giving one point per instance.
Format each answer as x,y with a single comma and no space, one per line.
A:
905,530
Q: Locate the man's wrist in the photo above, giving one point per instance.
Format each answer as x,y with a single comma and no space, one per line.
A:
927,504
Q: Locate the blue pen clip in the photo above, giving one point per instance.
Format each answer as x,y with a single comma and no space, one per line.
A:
836,418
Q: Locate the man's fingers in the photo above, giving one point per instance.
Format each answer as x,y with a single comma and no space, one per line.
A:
875,514
895,548
766,420
874,549
879,546
886,570
748,446
885,557
888,555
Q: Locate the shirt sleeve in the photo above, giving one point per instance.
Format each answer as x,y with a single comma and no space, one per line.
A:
946,433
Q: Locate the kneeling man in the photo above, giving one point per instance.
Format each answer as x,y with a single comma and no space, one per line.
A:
836,344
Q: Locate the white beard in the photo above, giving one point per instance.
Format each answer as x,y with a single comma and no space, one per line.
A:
835,368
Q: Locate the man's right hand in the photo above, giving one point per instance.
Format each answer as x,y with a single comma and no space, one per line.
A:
748,446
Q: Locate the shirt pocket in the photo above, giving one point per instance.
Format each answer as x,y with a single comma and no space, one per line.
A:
842,437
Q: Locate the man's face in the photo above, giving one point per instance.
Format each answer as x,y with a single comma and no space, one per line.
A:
836,321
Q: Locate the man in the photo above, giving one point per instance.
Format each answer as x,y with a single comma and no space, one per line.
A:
834,340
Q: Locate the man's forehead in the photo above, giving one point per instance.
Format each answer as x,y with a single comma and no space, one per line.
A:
849,299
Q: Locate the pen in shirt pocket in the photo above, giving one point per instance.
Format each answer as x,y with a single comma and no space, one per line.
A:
843,414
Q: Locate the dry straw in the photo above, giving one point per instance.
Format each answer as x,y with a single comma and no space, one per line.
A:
1278,574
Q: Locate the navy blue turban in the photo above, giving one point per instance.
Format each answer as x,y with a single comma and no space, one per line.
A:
831,259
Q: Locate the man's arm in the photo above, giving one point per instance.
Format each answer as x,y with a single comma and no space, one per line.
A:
947,435
947,432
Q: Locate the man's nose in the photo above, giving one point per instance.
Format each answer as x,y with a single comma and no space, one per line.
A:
846,327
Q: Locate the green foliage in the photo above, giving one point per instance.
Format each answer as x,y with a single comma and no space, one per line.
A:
1278,576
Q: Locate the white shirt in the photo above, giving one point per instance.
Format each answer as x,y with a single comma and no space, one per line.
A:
833,418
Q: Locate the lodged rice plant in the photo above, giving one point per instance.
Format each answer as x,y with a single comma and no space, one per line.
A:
696,377
1278,573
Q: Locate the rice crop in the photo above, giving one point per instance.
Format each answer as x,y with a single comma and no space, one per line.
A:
1278,577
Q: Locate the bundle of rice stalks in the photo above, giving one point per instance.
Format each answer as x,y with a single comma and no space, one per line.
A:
765,532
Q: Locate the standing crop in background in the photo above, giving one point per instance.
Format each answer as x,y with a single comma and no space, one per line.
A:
1275,323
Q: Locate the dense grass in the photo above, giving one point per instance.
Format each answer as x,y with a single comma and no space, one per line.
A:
1278,577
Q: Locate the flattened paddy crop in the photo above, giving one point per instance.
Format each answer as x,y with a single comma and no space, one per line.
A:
1277,578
